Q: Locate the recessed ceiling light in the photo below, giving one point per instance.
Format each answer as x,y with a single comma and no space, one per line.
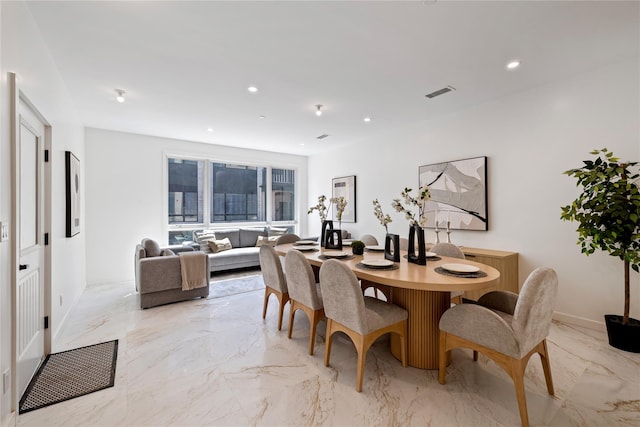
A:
367,119
120,96
252,89
301,144
318,110
209,129
261,117
513,65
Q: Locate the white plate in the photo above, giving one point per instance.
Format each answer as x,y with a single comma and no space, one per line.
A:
335,254
375,248
431,254
305,248
304,242
377,262
460,268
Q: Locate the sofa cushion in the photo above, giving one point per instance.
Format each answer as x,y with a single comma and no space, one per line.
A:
249,236
277,231
262,240
235,256
233,234
151,247
219,245
168,252
202,238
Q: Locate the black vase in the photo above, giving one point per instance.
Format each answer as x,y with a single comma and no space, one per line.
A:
333,239
327,228
392,247
416,233
621,336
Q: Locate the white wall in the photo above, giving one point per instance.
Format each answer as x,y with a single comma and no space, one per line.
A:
24,53
529,139
125,201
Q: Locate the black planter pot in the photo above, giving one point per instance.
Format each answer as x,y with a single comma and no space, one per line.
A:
621,336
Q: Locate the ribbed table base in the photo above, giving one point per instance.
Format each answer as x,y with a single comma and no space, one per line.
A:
425,309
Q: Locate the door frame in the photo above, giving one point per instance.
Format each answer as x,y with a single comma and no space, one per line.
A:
16,96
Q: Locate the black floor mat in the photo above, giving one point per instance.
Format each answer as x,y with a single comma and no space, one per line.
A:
72,373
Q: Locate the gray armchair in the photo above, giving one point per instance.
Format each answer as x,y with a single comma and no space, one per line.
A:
506,327
159,277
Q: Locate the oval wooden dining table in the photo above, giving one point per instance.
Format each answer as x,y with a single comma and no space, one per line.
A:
419,289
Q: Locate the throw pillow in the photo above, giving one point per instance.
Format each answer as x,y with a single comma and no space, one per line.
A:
151,247
219,245
263,240
168,252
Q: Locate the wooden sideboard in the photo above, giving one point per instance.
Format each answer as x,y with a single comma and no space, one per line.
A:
505,262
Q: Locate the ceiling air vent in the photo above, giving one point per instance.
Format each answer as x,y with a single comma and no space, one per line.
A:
323,136
440,92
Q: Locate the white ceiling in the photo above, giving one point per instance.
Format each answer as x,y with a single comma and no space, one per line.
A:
186,66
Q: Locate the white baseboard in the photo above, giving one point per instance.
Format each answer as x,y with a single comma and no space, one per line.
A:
579,321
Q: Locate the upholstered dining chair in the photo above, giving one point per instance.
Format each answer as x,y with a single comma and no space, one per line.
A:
369,240
450,250
506,327
363,319
287,238
274,280
304,293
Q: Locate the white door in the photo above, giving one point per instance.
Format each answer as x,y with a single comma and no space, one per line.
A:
30,277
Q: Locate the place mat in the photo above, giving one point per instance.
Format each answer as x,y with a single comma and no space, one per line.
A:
368,267
473,275
338,258
299,248
69,374
429,258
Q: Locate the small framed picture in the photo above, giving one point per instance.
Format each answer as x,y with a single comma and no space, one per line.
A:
345,187
72,174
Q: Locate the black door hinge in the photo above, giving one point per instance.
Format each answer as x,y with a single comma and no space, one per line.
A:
46,322
46,239
46,156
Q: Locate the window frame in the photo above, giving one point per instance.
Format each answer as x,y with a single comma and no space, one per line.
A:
206,209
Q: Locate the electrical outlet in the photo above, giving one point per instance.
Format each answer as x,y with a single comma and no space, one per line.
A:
6,379
4,231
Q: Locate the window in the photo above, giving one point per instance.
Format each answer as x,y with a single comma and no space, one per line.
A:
283,194
205,193
237,193
185,191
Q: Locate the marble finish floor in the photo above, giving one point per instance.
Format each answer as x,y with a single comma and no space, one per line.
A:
215,362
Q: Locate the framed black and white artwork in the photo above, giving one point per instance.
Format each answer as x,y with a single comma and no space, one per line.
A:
458,194
345,187
72,178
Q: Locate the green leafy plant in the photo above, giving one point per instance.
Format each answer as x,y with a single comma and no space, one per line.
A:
608,211
358,247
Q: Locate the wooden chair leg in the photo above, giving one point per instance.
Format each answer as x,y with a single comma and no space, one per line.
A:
546,367
442,357
316,317
517,374
362,357
282,301
403,345
292,313
327,345
266,301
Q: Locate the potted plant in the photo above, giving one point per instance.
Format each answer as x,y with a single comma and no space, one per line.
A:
357,247
608,215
